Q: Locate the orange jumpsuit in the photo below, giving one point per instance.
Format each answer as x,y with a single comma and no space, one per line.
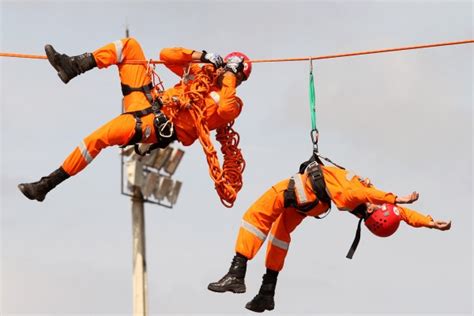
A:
222,104
268,214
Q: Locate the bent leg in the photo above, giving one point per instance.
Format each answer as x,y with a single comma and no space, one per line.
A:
116,132
257,221
118,53
134,75
279,240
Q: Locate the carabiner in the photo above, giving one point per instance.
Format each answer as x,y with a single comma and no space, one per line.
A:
315,138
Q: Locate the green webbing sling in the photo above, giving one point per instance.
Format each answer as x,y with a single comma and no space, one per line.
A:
312,110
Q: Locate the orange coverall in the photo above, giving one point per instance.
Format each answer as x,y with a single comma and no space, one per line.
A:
268,214
222,104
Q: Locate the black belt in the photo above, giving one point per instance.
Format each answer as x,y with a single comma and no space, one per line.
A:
126,89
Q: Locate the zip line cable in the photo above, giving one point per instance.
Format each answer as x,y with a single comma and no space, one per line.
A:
275,60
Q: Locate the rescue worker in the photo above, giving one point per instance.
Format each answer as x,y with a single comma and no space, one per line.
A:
284,206
146,110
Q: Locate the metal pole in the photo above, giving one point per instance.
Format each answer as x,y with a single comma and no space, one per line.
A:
140,285
140,291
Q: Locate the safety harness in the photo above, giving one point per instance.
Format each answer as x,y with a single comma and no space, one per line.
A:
296,189
164,129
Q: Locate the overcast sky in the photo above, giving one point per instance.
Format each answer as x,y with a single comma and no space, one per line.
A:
403,119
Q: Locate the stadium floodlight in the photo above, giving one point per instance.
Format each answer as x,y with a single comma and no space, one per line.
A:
149,186
162,157
164,189
149,159
151,174
174,161
172,197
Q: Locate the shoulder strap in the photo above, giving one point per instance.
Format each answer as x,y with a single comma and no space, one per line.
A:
317,182
290,198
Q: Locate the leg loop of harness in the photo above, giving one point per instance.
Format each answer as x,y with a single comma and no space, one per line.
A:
137,136
164,129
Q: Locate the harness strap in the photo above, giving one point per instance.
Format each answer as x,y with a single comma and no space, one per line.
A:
126,89
137,136
290,198
317,182
141,113
289,194
355,243
361,213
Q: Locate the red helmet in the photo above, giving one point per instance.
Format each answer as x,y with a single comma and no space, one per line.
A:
247,64
384,221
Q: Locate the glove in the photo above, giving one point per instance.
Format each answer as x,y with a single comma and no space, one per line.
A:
212,58
235,64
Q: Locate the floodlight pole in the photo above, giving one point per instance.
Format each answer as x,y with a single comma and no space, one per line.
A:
140,286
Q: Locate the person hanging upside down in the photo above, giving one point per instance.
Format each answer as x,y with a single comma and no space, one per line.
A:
284,206
205,99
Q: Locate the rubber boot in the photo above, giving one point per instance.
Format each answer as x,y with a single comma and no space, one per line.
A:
38,190
234,280
69,67
264,300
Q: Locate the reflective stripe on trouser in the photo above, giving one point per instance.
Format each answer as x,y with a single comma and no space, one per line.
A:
280,238
118,131
268,210
134,75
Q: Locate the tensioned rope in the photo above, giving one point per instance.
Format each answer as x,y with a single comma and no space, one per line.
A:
368,52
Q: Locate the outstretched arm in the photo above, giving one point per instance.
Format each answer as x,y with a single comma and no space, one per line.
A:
440,225
416,219
410,198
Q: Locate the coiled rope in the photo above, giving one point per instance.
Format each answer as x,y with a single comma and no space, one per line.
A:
228,179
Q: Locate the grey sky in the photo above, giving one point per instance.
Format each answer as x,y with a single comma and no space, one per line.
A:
403,119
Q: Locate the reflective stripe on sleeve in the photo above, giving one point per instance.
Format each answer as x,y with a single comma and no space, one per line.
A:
85,153
254,230
279,243
118,50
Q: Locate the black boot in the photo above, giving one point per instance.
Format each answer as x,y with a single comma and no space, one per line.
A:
264,300
69,67
38,190
234,280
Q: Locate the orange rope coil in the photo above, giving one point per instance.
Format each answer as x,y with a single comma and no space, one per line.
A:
228,179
